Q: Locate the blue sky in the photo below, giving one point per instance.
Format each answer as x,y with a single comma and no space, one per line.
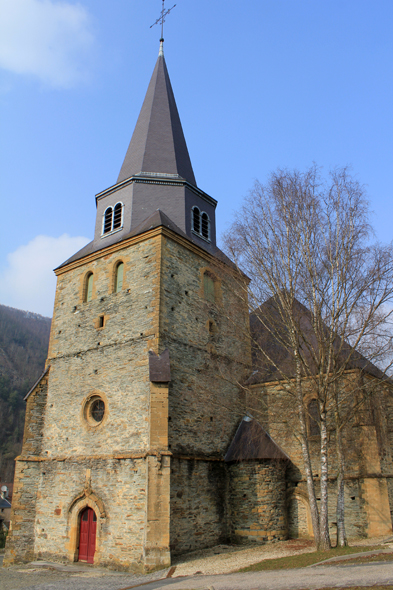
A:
259,84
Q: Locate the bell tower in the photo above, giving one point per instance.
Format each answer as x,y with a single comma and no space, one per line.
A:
156,175
126,431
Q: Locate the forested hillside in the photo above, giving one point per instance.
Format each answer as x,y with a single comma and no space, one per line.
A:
24,338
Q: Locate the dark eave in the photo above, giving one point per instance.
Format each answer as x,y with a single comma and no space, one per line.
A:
157,219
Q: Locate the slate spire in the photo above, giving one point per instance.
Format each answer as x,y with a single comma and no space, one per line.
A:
157,145
156,184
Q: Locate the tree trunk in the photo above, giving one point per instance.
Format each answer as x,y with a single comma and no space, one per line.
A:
306,457
341,534
340,508
324,544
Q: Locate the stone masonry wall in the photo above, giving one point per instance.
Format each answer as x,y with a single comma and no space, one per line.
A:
111,361
366,445
35,416
209,356
257,501
299,517
205,402
117,492
20,540
102,465
198,504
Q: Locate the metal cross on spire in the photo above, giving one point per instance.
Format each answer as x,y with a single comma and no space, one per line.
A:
161,21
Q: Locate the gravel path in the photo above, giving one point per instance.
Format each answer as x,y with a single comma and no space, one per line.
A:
380,573
224,559
204,569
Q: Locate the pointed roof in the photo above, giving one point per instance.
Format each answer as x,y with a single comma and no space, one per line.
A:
251,441
157,144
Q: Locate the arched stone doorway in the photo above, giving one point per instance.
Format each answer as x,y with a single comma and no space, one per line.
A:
87,535
87,499
299,517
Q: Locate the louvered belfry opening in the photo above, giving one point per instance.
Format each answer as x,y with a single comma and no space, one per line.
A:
205,226
196,220
117,216
108,220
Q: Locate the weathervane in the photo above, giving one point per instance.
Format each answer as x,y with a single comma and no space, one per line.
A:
161,20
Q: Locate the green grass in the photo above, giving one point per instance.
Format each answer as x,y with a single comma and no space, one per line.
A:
365,559
304,559
358,588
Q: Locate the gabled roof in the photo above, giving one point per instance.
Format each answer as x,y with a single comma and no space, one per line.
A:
282,359
251,441
157,144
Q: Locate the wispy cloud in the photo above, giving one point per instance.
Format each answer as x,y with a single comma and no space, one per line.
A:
48,39
28,281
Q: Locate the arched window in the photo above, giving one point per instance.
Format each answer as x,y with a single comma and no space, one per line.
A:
313,418
108,215
113,219
205,226
117,216
196,220
208,287
119,277
88,290
200,223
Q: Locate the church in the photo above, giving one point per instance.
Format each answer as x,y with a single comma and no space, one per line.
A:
141,440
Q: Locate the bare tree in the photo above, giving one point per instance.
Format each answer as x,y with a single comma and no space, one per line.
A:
321,294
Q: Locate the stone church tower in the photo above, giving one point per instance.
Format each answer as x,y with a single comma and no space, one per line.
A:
138,440
126,430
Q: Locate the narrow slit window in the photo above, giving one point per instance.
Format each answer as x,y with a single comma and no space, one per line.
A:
101,321
89,287
108,220
117,216
208,288
196,220
205,226
119,277
313,418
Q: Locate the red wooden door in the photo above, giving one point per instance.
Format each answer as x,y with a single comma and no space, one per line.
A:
87,535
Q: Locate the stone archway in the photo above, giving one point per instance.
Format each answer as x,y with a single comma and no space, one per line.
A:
87,499
299,517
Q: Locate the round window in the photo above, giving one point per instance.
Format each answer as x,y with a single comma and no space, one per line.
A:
94,410
97,410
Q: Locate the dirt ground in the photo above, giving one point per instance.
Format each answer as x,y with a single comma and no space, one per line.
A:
224,559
